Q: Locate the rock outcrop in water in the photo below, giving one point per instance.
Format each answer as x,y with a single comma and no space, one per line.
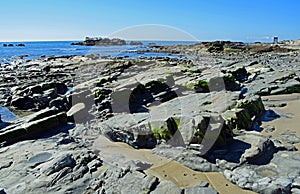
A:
11,45
135,43
201,114
8,45
101,42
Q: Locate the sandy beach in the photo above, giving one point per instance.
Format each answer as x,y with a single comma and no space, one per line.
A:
163,168
290,116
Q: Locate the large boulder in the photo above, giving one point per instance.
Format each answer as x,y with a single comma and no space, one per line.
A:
245,114
132,129
261,150
47,112
253,105
178,122
238,118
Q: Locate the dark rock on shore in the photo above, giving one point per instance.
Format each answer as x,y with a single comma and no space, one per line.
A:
38,96
2,191
23,103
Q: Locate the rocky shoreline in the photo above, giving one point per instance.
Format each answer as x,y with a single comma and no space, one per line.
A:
192,115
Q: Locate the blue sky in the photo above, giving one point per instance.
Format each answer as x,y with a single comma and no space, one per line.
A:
252,20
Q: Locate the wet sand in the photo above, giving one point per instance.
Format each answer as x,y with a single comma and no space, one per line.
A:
163,168
291,116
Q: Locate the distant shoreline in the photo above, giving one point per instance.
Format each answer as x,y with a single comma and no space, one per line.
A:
128,40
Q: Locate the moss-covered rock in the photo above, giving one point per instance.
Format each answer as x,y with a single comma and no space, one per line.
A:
101,94
293,89
214,132
288,88
216,83
216,48
179,122
201,86
200,131
192,130
194,70
253,105
237,119
190,85
230,83
164,129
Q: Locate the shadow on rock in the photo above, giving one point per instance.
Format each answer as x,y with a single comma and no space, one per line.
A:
230,153
269,115
4,124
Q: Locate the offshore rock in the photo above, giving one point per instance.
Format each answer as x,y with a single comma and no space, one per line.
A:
101,42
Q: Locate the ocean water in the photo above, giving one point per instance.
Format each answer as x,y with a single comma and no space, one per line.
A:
34,50
7,115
